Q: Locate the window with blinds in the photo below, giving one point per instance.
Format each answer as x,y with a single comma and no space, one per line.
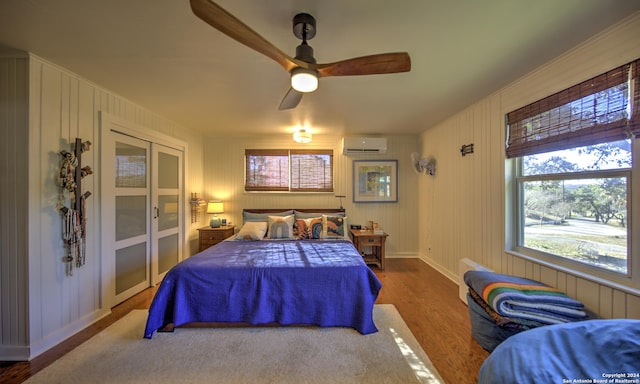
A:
603,109
573,156
285,170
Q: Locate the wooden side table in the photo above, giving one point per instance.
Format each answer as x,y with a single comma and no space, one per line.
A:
212,236
369,245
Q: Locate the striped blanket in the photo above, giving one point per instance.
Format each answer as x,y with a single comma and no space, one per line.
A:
517,297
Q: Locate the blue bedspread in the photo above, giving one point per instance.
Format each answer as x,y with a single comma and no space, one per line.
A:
324,283
591,351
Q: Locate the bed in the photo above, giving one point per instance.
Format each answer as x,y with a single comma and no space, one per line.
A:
590,351
312,276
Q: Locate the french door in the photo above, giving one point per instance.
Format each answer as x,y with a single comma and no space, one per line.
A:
142,213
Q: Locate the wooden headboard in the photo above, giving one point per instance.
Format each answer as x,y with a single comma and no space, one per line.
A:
275,210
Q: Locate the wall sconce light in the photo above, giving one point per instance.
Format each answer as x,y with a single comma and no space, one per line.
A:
215,207
196,203
466,149
302,136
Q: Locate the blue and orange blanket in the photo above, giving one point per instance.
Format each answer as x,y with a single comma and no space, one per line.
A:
521,298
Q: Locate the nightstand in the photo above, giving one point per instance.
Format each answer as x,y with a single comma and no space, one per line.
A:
212,236
369,245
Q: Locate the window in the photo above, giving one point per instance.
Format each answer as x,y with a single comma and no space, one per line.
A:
573,156
288,170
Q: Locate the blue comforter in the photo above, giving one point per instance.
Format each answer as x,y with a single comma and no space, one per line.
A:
591,351
324,283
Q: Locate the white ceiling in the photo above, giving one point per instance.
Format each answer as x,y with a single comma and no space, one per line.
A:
158,54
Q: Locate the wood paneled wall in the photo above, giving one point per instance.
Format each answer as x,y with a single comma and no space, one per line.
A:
462,209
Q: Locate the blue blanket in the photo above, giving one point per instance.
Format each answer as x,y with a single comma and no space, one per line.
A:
314,282
521,298
592,351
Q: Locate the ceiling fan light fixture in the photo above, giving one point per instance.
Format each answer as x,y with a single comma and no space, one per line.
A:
304,79
302,136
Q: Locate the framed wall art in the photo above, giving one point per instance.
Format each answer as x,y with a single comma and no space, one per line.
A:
375,181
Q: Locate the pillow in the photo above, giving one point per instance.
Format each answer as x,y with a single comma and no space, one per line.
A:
280,227
334,227
250,216
253,230
309,228
311,215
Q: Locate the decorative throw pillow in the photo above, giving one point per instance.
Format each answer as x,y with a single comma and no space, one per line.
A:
252,230
309,228
280,227
334,227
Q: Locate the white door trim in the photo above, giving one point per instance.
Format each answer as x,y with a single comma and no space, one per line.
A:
110,123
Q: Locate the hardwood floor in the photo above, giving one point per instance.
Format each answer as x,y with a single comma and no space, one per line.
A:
429,304
427,301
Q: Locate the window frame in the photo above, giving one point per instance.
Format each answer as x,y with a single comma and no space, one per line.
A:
290,154
557,261
515,208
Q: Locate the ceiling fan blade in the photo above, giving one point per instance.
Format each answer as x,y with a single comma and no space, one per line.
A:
228,24
367,65
290,100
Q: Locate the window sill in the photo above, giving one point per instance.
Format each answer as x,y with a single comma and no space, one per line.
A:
583,275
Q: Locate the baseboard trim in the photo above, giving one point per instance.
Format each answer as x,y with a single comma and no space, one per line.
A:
402,255
57,337
14,353
448,274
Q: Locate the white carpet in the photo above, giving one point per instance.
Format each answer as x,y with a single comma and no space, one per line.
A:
119,354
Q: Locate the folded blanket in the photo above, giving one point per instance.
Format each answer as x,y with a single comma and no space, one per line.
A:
503,321
517,297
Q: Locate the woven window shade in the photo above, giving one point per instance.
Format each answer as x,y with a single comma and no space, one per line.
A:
289,170
634,127
312,171
266,170
592,112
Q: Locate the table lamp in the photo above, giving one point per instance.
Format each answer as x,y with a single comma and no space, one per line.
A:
215,207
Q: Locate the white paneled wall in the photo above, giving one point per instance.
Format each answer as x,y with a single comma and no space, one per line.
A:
224,180
14,162
60,107
462,209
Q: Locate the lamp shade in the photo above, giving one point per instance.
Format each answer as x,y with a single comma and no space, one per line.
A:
304,80
302,136
215,207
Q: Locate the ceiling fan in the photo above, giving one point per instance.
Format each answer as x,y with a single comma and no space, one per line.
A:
303,67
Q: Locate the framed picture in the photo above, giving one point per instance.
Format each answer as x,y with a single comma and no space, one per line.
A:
375,181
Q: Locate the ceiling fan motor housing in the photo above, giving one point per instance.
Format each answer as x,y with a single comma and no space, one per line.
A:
304,52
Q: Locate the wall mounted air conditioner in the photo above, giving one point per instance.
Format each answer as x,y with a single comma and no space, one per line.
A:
360,145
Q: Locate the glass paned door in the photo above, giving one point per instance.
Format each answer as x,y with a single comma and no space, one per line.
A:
167,195
142,208
130,193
